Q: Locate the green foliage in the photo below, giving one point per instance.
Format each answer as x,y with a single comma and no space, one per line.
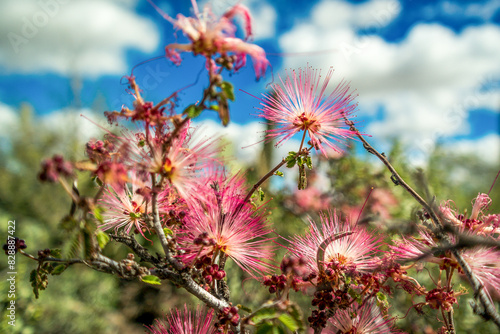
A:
102,239
273,319
193,111
151,279
82,301
227,90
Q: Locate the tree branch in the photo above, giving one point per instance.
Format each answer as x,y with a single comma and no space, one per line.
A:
398,180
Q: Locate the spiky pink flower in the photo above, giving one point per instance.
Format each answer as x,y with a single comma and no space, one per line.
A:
365,319
239,230
300,104
187,322
185,160
125,209
210,35
180,162
477,222
354,250
483,261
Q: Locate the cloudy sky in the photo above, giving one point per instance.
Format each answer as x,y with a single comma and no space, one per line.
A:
426,71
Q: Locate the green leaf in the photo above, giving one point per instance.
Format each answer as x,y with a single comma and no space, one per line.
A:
382,300
98,214
309,162
56,252
279,173
290,161
265,328
294,311
193,111
264,314
261,194
228,90
58,269
151,279
244,308
88,245
355,295
75,245
102,239
36,292
168,231
289,322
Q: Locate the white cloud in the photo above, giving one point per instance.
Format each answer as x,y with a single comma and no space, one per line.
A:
79,37
8,119
484,11
486,148
69,122
246,140
427,83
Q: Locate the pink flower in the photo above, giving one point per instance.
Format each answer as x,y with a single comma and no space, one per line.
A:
355,250
210,35
300,104
239,230
483,261
129,208
311,199
365,319
186,322
179,163
125,209
478,222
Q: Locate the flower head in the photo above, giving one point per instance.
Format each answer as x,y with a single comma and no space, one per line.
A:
353,251
180,162
125,209
300,104
130,207
483,261
187,322
237,228
210,35
477,222
365,319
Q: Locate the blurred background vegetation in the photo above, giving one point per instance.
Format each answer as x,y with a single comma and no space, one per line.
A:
84,301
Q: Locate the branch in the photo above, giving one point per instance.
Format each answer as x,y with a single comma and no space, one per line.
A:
479,292
398,180
126,269
264,178
138,249
159,230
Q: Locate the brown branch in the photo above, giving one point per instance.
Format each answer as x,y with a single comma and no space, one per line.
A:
398,180
159,229
264,178
138,249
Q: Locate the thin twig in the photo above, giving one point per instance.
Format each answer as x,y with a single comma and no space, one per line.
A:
159,229
398,180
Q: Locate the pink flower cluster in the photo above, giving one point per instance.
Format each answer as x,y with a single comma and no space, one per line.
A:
210,35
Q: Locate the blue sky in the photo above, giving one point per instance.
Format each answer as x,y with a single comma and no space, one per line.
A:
426,71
